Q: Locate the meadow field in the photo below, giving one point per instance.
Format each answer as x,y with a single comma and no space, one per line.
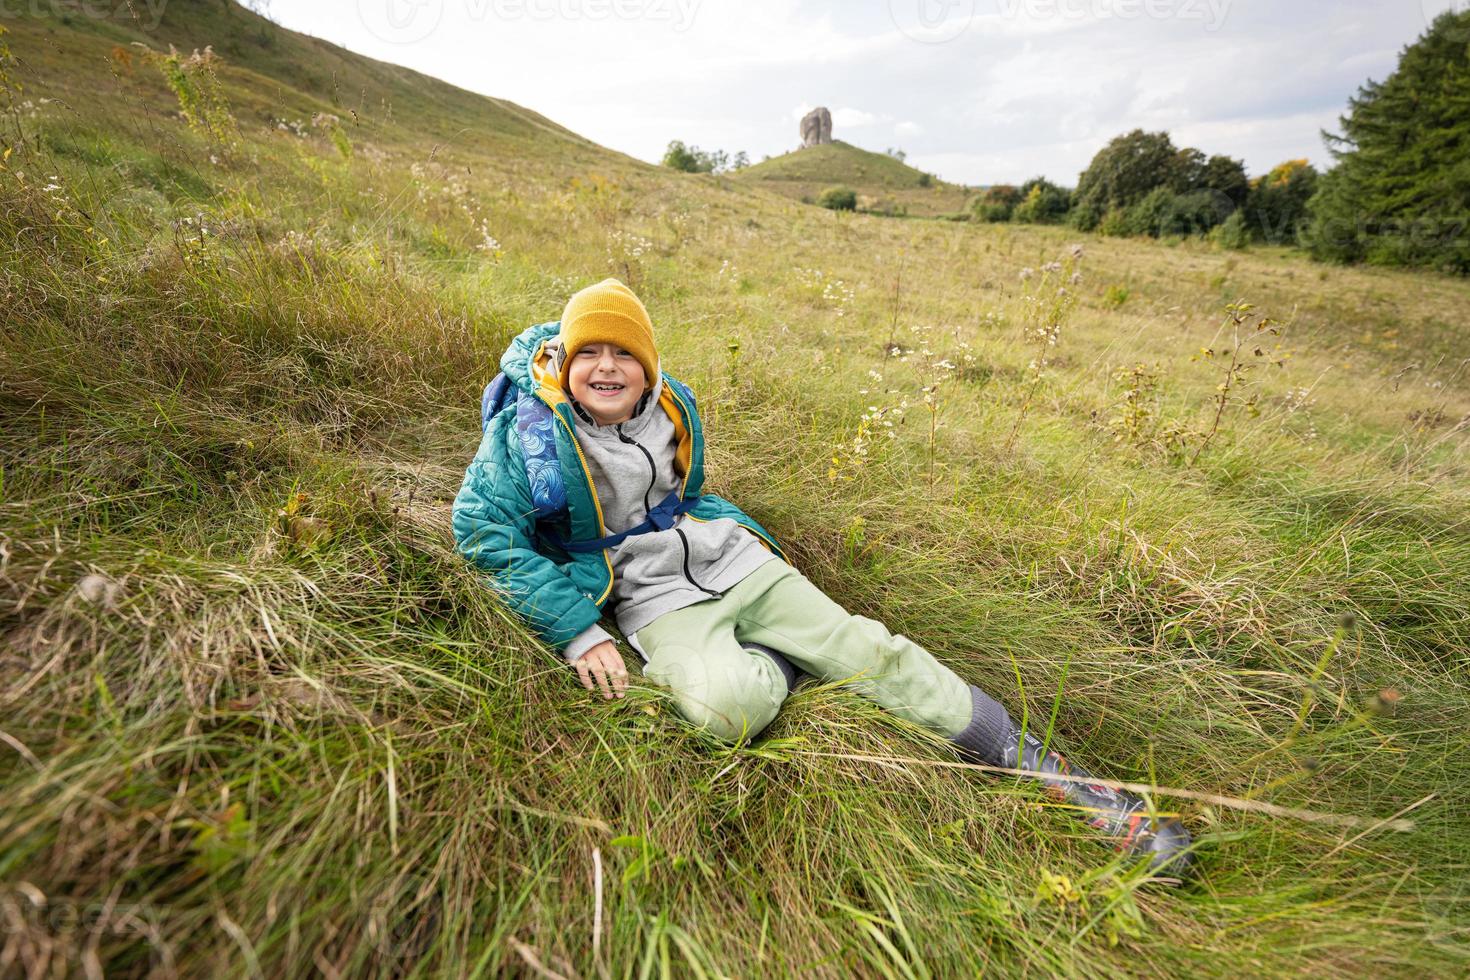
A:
1204,513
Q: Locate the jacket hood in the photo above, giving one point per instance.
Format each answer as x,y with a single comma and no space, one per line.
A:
518,359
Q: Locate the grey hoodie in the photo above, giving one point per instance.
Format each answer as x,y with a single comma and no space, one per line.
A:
632,467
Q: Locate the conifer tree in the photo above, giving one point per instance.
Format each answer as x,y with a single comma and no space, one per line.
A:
1400,193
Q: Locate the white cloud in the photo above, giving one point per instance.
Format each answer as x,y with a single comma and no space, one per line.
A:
1019,90
845,116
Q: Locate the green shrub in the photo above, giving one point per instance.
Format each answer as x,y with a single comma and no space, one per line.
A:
1276,211
838,198
1165,213
1226,177
995,203
1043,203
1115,222
693,160
680,157
1124,172
1164,190
1233,233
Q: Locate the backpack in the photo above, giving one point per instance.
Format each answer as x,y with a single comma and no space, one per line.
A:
534,426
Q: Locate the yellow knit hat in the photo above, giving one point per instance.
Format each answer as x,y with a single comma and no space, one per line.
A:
608,313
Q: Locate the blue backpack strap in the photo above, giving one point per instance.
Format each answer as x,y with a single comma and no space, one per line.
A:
661,518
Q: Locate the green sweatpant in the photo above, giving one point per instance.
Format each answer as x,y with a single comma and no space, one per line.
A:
717,684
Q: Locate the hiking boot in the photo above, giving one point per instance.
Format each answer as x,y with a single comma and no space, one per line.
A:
992,738
1116,813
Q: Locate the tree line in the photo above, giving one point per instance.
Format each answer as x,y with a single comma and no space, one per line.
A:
1399,193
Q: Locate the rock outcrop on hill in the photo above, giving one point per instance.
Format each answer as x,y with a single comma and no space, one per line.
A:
816,127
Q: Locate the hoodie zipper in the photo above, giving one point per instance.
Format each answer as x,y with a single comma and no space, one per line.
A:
647,506
652,468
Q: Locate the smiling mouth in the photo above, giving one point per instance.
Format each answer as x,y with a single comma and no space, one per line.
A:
606,388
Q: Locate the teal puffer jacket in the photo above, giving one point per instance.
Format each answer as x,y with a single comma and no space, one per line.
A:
559,594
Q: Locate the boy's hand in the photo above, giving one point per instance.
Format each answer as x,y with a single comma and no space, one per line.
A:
606,664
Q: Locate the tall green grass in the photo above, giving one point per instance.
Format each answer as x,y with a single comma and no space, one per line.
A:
258,719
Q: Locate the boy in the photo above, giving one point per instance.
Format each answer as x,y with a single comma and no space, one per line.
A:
587,490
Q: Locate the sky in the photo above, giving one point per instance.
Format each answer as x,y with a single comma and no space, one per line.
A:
974,91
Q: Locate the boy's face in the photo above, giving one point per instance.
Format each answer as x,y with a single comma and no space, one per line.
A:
607,381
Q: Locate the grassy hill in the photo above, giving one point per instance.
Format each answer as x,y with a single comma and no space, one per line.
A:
257,718
884,183
272,75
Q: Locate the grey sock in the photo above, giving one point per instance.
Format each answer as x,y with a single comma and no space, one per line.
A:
990,729
788,669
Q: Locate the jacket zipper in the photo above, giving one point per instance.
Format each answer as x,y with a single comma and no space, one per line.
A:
652,479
